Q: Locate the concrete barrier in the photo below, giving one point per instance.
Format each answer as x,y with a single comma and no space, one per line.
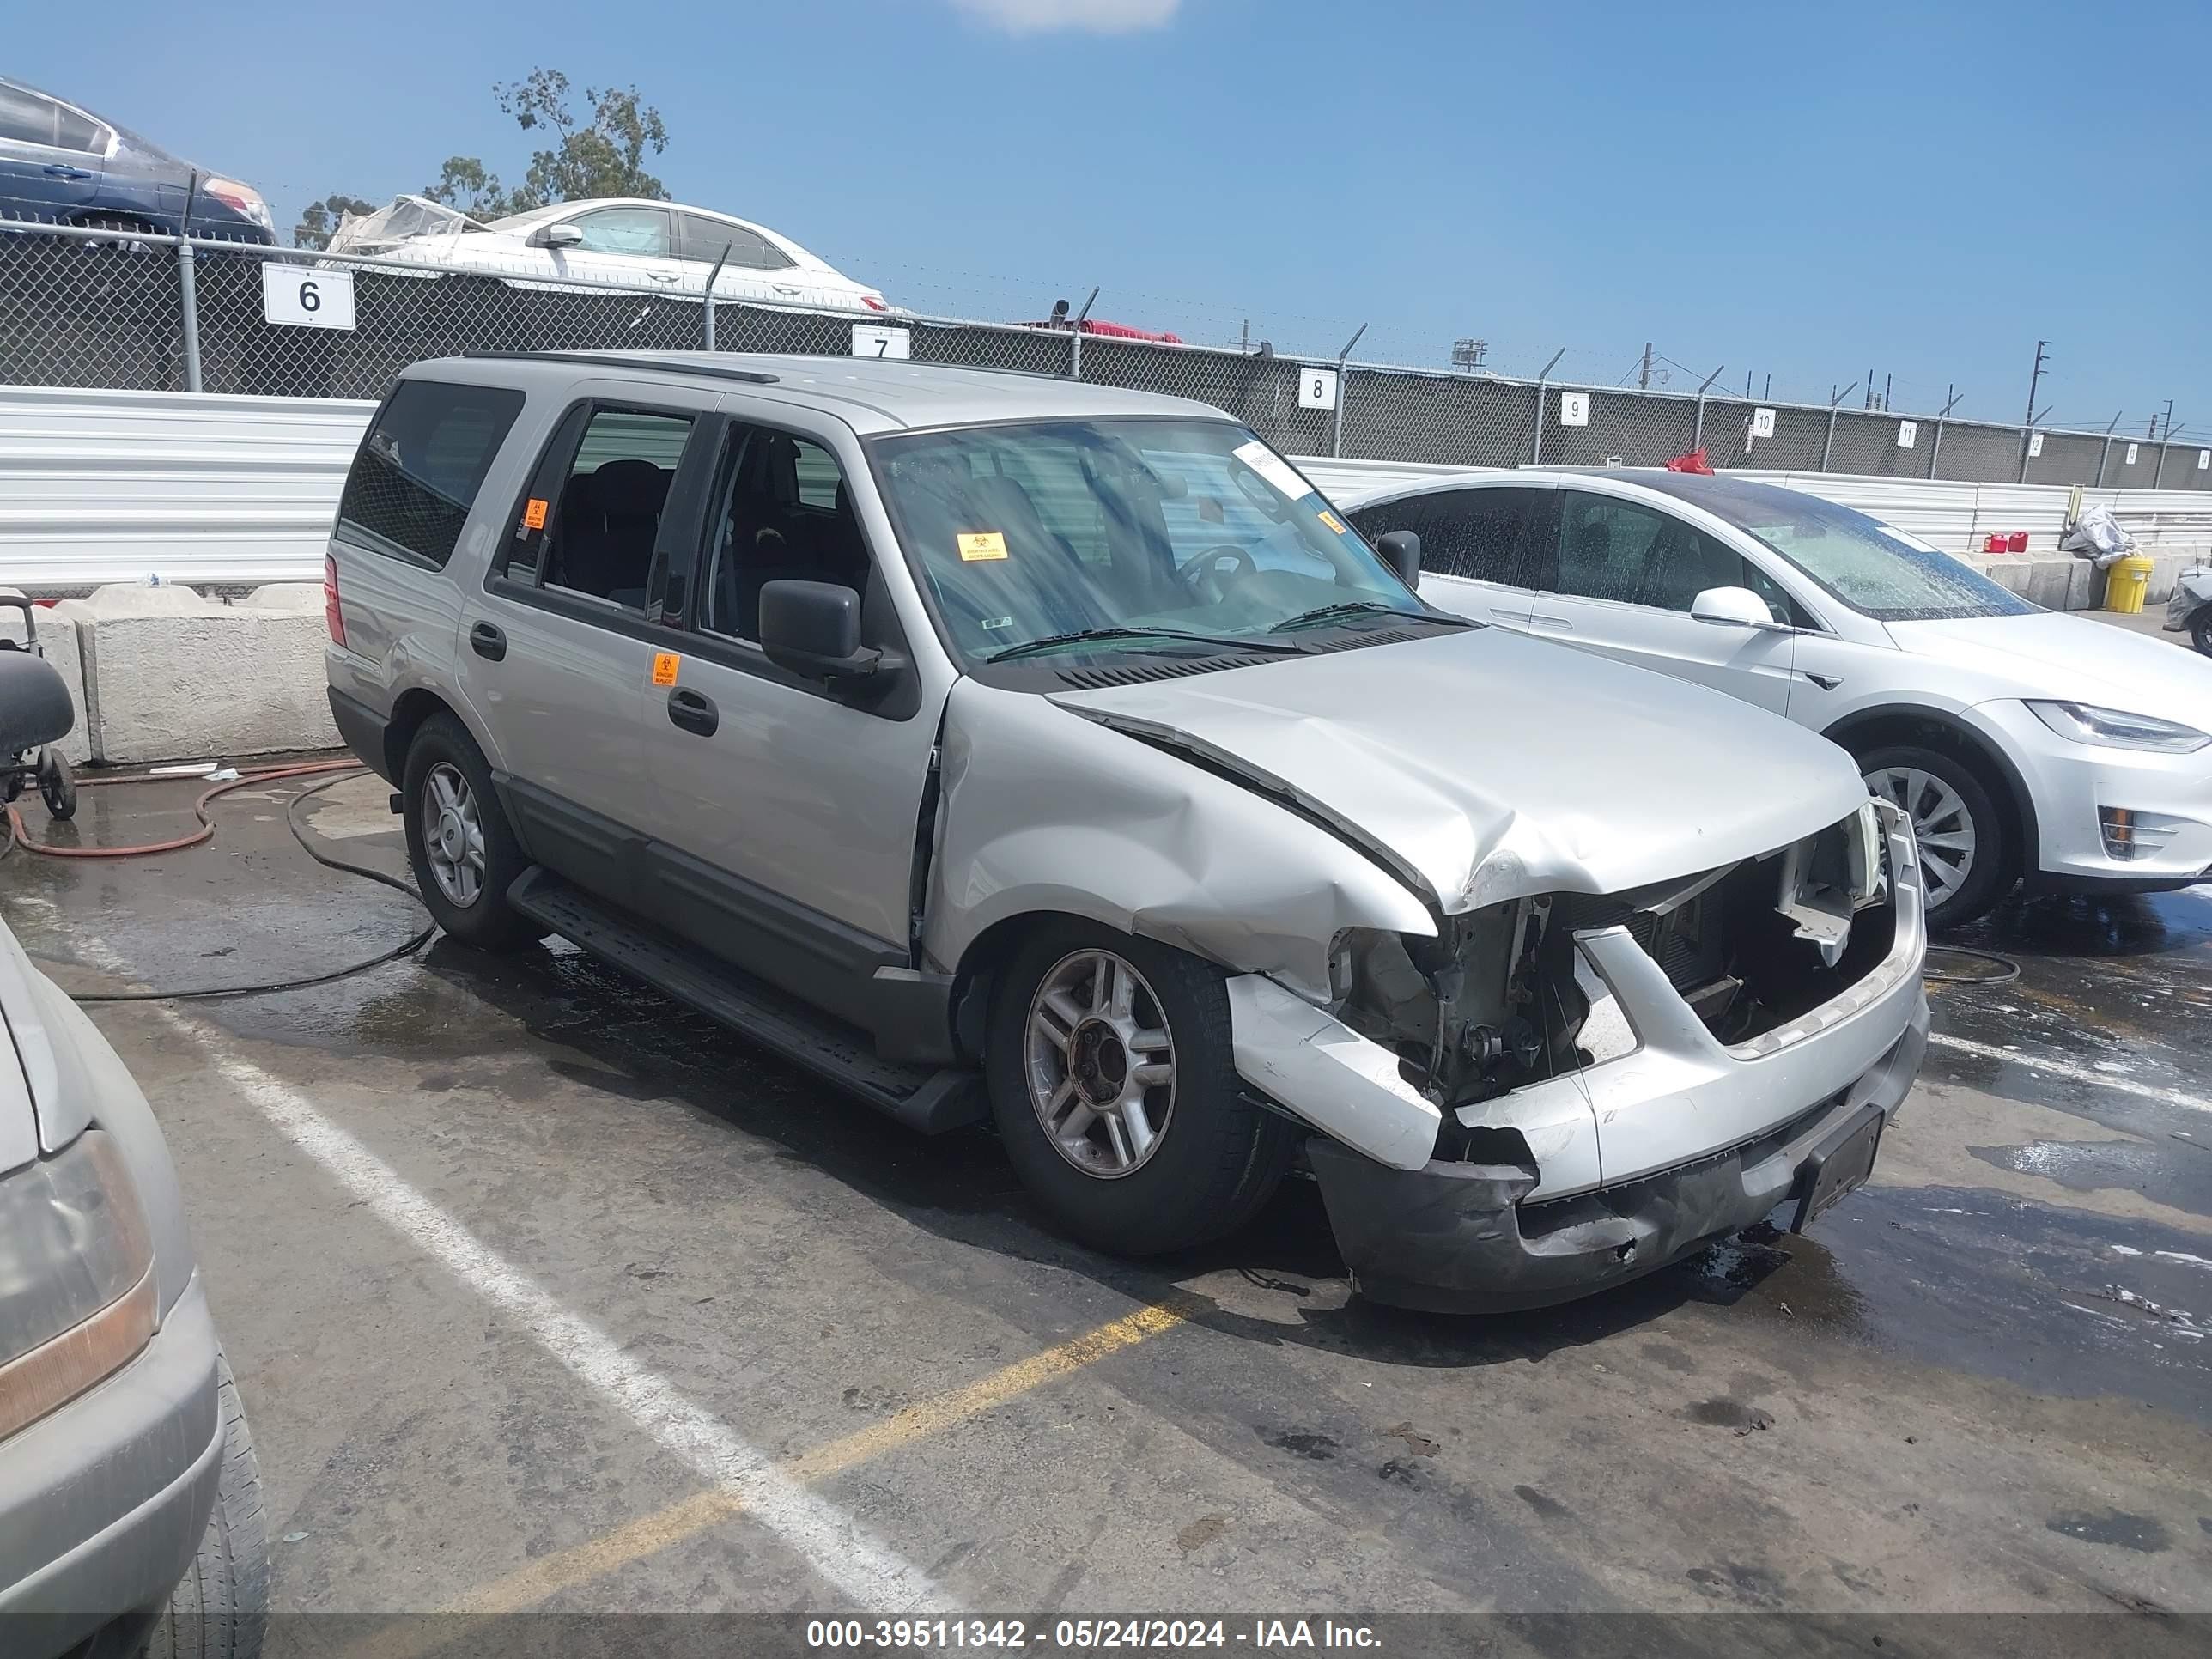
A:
169,674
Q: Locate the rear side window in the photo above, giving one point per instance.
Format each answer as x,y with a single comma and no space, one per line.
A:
26,118
75,132
419,467
705,239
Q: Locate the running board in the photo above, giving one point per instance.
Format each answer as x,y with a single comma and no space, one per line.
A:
929,1101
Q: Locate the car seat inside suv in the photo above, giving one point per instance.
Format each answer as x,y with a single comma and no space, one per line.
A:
609,518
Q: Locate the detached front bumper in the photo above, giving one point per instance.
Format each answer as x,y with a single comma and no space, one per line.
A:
1456,1239
1636,1159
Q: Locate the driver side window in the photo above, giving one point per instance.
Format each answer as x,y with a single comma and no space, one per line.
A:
788,517
625,230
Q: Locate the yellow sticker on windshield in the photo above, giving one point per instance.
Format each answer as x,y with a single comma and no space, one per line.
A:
1331,520
982,544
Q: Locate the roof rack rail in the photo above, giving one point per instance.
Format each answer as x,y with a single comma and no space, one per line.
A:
622,360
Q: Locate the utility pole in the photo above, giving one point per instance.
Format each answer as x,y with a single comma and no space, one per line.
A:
2169,420
2035,381
1644,381
1885,380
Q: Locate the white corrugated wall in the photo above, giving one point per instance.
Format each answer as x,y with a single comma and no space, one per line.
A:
105,486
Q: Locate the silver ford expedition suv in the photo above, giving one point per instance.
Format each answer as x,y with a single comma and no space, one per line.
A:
997,745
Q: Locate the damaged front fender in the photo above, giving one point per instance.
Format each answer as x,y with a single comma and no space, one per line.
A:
1045,811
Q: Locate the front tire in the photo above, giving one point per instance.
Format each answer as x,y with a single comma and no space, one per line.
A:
219,1609
1965,844
465,853
2200,630
1116,1090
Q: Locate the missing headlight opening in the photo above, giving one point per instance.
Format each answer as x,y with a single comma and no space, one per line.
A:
1501,999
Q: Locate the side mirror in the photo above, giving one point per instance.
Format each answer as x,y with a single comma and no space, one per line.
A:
1735,607
1402,551
556,236
813,628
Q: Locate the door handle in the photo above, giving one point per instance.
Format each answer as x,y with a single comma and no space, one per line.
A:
694,713
61,170
488,641
1540,619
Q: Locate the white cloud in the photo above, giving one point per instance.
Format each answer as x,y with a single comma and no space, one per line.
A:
1092,16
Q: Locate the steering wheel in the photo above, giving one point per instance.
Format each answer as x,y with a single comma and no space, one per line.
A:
1225,558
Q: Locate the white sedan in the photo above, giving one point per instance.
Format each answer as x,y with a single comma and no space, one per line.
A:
2024,743
621,242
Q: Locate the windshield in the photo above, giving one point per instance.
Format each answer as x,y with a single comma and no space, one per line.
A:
1876,569
1026,534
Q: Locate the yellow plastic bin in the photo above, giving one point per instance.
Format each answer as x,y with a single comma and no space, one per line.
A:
2126,583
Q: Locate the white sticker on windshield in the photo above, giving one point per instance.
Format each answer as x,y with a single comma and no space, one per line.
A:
1273,468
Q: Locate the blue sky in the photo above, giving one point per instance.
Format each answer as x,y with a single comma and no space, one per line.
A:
1799,191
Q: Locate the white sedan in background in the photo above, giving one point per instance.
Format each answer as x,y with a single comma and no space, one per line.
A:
2024,743
621,242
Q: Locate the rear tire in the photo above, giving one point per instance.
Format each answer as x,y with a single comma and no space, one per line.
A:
219,1609
1966,841
465,853
2200,630
1197,1160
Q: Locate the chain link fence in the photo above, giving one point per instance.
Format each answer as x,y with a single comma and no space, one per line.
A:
104,308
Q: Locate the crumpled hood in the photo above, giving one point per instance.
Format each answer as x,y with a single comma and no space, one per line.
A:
1484,765
2070,659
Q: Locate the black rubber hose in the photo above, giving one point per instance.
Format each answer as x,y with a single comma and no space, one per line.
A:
2007,969
300,835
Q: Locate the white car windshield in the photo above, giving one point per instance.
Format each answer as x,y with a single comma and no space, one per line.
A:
1880,572
1122,535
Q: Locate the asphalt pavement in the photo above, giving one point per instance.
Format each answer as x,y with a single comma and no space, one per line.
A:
548,1296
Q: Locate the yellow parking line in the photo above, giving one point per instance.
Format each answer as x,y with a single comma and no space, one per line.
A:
634,1541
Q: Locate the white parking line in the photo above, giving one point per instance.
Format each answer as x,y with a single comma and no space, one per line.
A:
865,1569
2067,1069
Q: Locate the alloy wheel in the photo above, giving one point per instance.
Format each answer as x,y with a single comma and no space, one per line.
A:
1940,823
1100,1063
452,834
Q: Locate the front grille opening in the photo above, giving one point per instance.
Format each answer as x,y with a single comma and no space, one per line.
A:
1737,961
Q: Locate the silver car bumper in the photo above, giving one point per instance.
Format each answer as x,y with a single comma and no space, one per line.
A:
103,1503
1636,1159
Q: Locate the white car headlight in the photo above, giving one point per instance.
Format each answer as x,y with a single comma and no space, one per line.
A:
77,1277
2113,728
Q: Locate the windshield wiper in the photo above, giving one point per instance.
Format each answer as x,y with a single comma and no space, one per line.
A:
1322,613
1083,634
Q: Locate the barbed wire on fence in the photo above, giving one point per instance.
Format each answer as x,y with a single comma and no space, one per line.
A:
128,308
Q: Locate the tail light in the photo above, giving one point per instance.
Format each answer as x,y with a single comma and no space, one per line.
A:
333,618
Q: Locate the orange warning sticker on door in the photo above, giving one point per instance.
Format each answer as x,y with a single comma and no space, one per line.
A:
533,514
664,665
983,544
